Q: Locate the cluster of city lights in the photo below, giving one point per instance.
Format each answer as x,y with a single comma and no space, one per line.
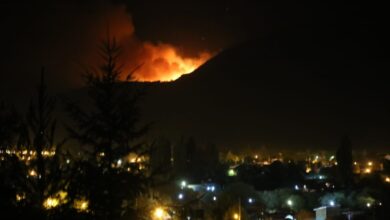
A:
55,200
81,205
26,155
60,198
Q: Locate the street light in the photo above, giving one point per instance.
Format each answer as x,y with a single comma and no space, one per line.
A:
180,196
183,184
159,213
236,216
289,202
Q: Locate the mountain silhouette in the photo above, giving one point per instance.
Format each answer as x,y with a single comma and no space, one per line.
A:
288,91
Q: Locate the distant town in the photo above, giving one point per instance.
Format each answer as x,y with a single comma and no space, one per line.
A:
202,183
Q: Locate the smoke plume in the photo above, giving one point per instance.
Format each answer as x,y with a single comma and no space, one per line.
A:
158,61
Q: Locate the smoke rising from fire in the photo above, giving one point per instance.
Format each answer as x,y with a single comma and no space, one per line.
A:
64,37
156,61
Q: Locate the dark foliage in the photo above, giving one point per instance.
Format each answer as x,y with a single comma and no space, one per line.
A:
10,123
35,134
107,132
344,161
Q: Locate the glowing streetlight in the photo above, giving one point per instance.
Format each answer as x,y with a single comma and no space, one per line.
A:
232,172
183,184
180,196
289,202
236,216
331,203
32,173
368,205
159,213
119,162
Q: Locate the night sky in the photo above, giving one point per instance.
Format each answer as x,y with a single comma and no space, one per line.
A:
283,73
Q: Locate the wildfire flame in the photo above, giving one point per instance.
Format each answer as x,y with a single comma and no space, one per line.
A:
157,61
164,63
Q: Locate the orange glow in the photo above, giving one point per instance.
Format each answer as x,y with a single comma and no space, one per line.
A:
163,62
367,170
156,61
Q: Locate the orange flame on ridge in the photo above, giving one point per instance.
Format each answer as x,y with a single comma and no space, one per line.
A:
162,62
157,61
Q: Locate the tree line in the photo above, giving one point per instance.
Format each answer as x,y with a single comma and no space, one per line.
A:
53,183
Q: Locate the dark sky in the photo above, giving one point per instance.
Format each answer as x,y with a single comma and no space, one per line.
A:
62,36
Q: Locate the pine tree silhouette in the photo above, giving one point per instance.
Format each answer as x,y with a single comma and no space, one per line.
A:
109,130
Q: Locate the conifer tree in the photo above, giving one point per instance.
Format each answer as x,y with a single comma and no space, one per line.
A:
108,129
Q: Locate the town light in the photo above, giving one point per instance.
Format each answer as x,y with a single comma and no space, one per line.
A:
236,216
232,172
289,202
50,203
81,205
159,213
387,179
369,163
368,205
180,196
20,197
183,184
32,173
55,200
331,203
